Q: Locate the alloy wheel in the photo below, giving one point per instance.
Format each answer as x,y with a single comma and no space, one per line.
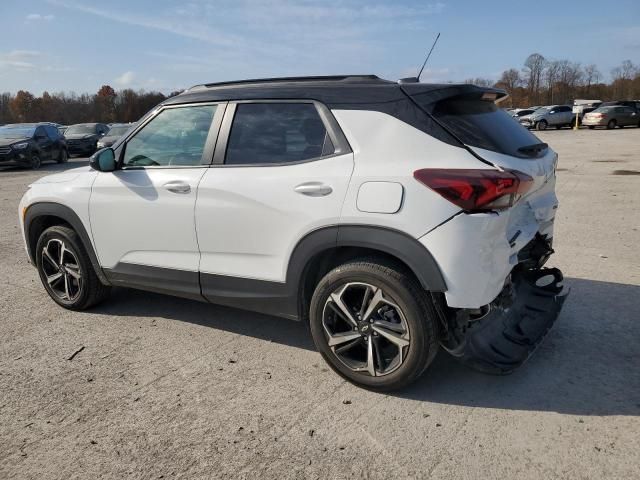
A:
62,270
365,329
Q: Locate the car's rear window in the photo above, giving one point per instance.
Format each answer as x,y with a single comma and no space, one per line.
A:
480,123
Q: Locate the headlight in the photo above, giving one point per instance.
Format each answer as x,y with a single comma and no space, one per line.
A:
20,146
100,145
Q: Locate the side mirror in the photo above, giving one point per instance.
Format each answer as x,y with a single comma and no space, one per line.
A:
103,160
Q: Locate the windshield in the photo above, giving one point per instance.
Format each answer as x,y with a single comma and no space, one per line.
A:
81,129
16,132
118,130
543,110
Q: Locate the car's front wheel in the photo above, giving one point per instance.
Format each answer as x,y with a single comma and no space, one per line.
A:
542,125
373,324
66,271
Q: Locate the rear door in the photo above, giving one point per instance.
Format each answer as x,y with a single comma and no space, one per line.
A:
281,170
56,144
45,144
627,116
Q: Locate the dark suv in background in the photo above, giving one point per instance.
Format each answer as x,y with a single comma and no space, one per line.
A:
82,138
30,144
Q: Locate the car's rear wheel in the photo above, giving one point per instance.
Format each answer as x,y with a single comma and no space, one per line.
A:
66,271
373,324
36,163
611,125
542,125
63,157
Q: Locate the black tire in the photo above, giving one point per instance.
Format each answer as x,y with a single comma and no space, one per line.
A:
542,125
88,290
63,157
418,313
591,127
36,162
558,127
611,125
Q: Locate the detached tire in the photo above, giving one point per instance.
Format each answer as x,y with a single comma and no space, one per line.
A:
66,271
373,324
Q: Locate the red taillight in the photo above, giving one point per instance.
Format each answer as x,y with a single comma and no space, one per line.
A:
476,190
598,115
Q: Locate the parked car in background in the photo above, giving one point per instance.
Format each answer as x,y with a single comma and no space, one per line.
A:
62,129
612,117
309,216
552,116
582,107
82,138
116,131
30,144
520,112
634,104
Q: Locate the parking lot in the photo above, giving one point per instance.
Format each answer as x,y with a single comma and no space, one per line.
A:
162,387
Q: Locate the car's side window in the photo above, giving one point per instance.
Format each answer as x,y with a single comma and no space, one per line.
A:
277,133
39,133
52,132
174,137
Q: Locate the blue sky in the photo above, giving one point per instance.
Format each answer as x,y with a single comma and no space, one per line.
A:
64,45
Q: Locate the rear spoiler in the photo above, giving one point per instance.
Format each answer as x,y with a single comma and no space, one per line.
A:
432,93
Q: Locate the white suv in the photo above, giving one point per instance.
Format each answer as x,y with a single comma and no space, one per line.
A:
394,217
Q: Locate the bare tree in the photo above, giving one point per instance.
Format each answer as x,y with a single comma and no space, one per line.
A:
533,68
552,69
591,75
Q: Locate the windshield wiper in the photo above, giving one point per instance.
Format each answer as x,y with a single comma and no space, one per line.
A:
534,150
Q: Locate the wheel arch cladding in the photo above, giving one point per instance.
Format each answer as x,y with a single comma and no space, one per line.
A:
41,216
373,238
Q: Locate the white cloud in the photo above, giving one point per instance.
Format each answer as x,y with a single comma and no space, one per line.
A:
20,60
126,79
35,17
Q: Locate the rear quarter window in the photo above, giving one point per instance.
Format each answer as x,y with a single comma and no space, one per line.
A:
482,124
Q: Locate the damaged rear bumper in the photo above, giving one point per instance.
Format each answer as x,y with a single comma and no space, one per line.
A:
501,337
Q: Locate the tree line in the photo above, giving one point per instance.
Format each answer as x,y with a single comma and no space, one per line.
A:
541,81
544,81
106,106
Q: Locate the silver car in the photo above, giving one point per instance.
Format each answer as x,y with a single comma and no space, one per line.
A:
555,115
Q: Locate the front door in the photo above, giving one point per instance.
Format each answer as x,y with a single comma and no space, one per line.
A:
142,215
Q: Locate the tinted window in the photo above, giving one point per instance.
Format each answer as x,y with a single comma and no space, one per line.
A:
176,136
81,129
482,124
563,109
276,133
40,132
52,132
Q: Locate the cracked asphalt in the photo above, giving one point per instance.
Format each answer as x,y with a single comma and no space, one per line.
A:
170,388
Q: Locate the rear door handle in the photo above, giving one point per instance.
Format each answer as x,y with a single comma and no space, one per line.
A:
314,189
177,186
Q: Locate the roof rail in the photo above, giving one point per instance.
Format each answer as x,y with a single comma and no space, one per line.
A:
327,78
